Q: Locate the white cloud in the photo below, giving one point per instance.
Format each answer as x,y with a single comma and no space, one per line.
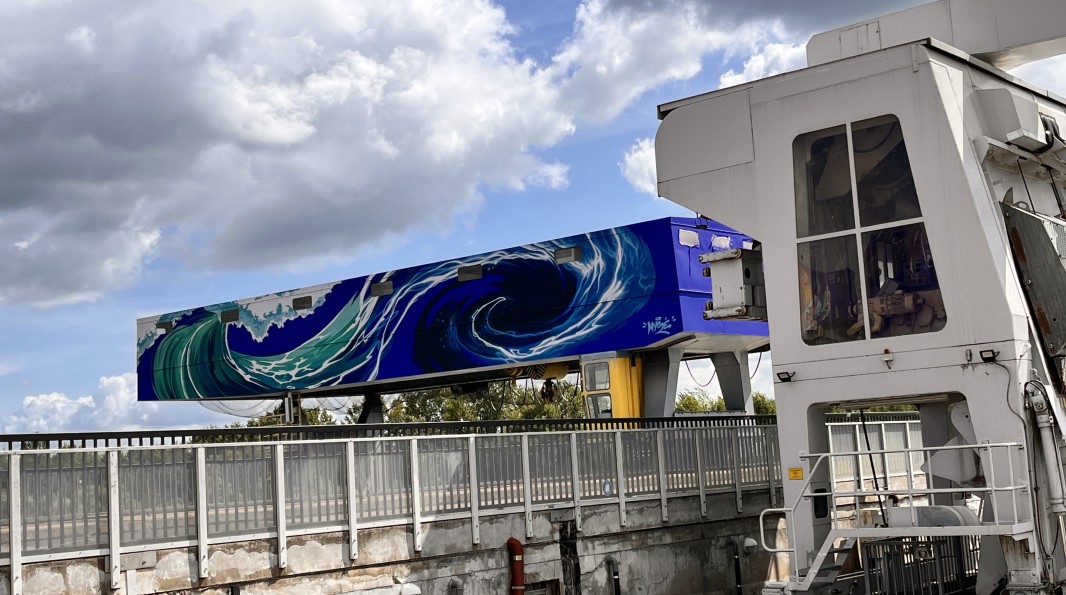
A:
239,134
638,166
771,59
1049,73
113,406
621,50
82,39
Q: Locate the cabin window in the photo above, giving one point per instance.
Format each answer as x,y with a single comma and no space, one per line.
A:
861,172
600,405
597,376
829,290
823,183
883,173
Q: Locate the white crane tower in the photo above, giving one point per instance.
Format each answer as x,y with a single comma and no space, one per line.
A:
908,195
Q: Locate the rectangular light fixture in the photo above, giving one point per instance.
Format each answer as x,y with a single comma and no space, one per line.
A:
301,303
988,355
381,289
565,255
469,273
785,376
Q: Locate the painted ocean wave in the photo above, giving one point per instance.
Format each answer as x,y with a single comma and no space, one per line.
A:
523,308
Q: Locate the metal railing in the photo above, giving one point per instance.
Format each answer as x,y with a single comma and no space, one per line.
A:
45,441
887,431
71,503
1004,494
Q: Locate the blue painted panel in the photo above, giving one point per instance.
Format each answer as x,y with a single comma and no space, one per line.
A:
626,292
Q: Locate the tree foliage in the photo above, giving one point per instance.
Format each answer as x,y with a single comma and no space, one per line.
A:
700,401
276,417
495,401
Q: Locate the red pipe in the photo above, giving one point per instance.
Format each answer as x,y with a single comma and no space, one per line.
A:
516,558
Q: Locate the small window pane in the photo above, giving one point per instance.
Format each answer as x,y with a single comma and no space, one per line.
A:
301,303
883,172
823,183
901,283
597,376
600,405
829,291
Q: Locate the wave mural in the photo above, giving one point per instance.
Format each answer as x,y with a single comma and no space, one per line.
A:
523,308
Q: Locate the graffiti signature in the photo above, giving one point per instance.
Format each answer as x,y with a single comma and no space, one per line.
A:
660,326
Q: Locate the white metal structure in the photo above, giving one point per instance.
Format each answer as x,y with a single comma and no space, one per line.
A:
909,201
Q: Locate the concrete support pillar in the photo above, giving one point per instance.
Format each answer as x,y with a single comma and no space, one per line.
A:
660,381
735,380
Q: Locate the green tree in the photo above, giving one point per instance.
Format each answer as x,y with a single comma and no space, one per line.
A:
493,401
700,401
276,417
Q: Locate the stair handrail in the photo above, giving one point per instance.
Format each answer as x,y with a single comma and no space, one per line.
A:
788,511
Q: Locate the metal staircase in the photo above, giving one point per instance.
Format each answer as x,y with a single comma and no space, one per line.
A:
1005,495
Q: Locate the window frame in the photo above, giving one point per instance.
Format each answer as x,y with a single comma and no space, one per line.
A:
857,231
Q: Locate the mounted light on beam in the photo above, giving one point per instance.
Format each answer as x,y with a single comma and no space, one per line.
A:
785,376
988,356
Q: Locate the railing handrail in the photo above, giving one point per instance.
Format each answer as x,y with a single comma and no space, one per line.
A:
135,438
345,440
762,531
853,453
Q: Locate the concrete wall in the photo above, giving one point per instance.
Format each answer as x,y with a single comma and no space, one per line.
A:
688,554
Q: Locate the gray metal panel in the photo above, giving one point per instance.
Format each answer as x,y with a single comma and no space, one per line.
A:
1033,243
693,149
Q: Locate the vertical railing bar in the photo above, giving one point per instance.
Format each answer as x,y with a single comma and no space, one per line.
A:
416,496
353,505
113,519
279,504
14,495
475,503
621,478
735,437
662,473
861,477
576,474
201,510
91,488
527,493
910,486
700,474
992,484
767,446
61,496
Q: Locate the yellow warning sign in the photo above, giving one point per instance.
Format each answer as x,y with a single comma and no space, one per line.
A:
795,472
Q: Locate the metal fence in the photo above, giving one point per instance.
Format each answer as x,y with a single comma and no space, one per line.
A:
863,471
68,503
137,438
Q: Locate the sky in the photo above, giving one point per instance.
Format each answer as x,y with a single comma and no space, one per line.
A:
159,155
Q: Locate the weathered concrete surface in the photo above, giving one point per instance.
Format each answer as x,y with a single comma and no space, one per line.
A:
688,554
